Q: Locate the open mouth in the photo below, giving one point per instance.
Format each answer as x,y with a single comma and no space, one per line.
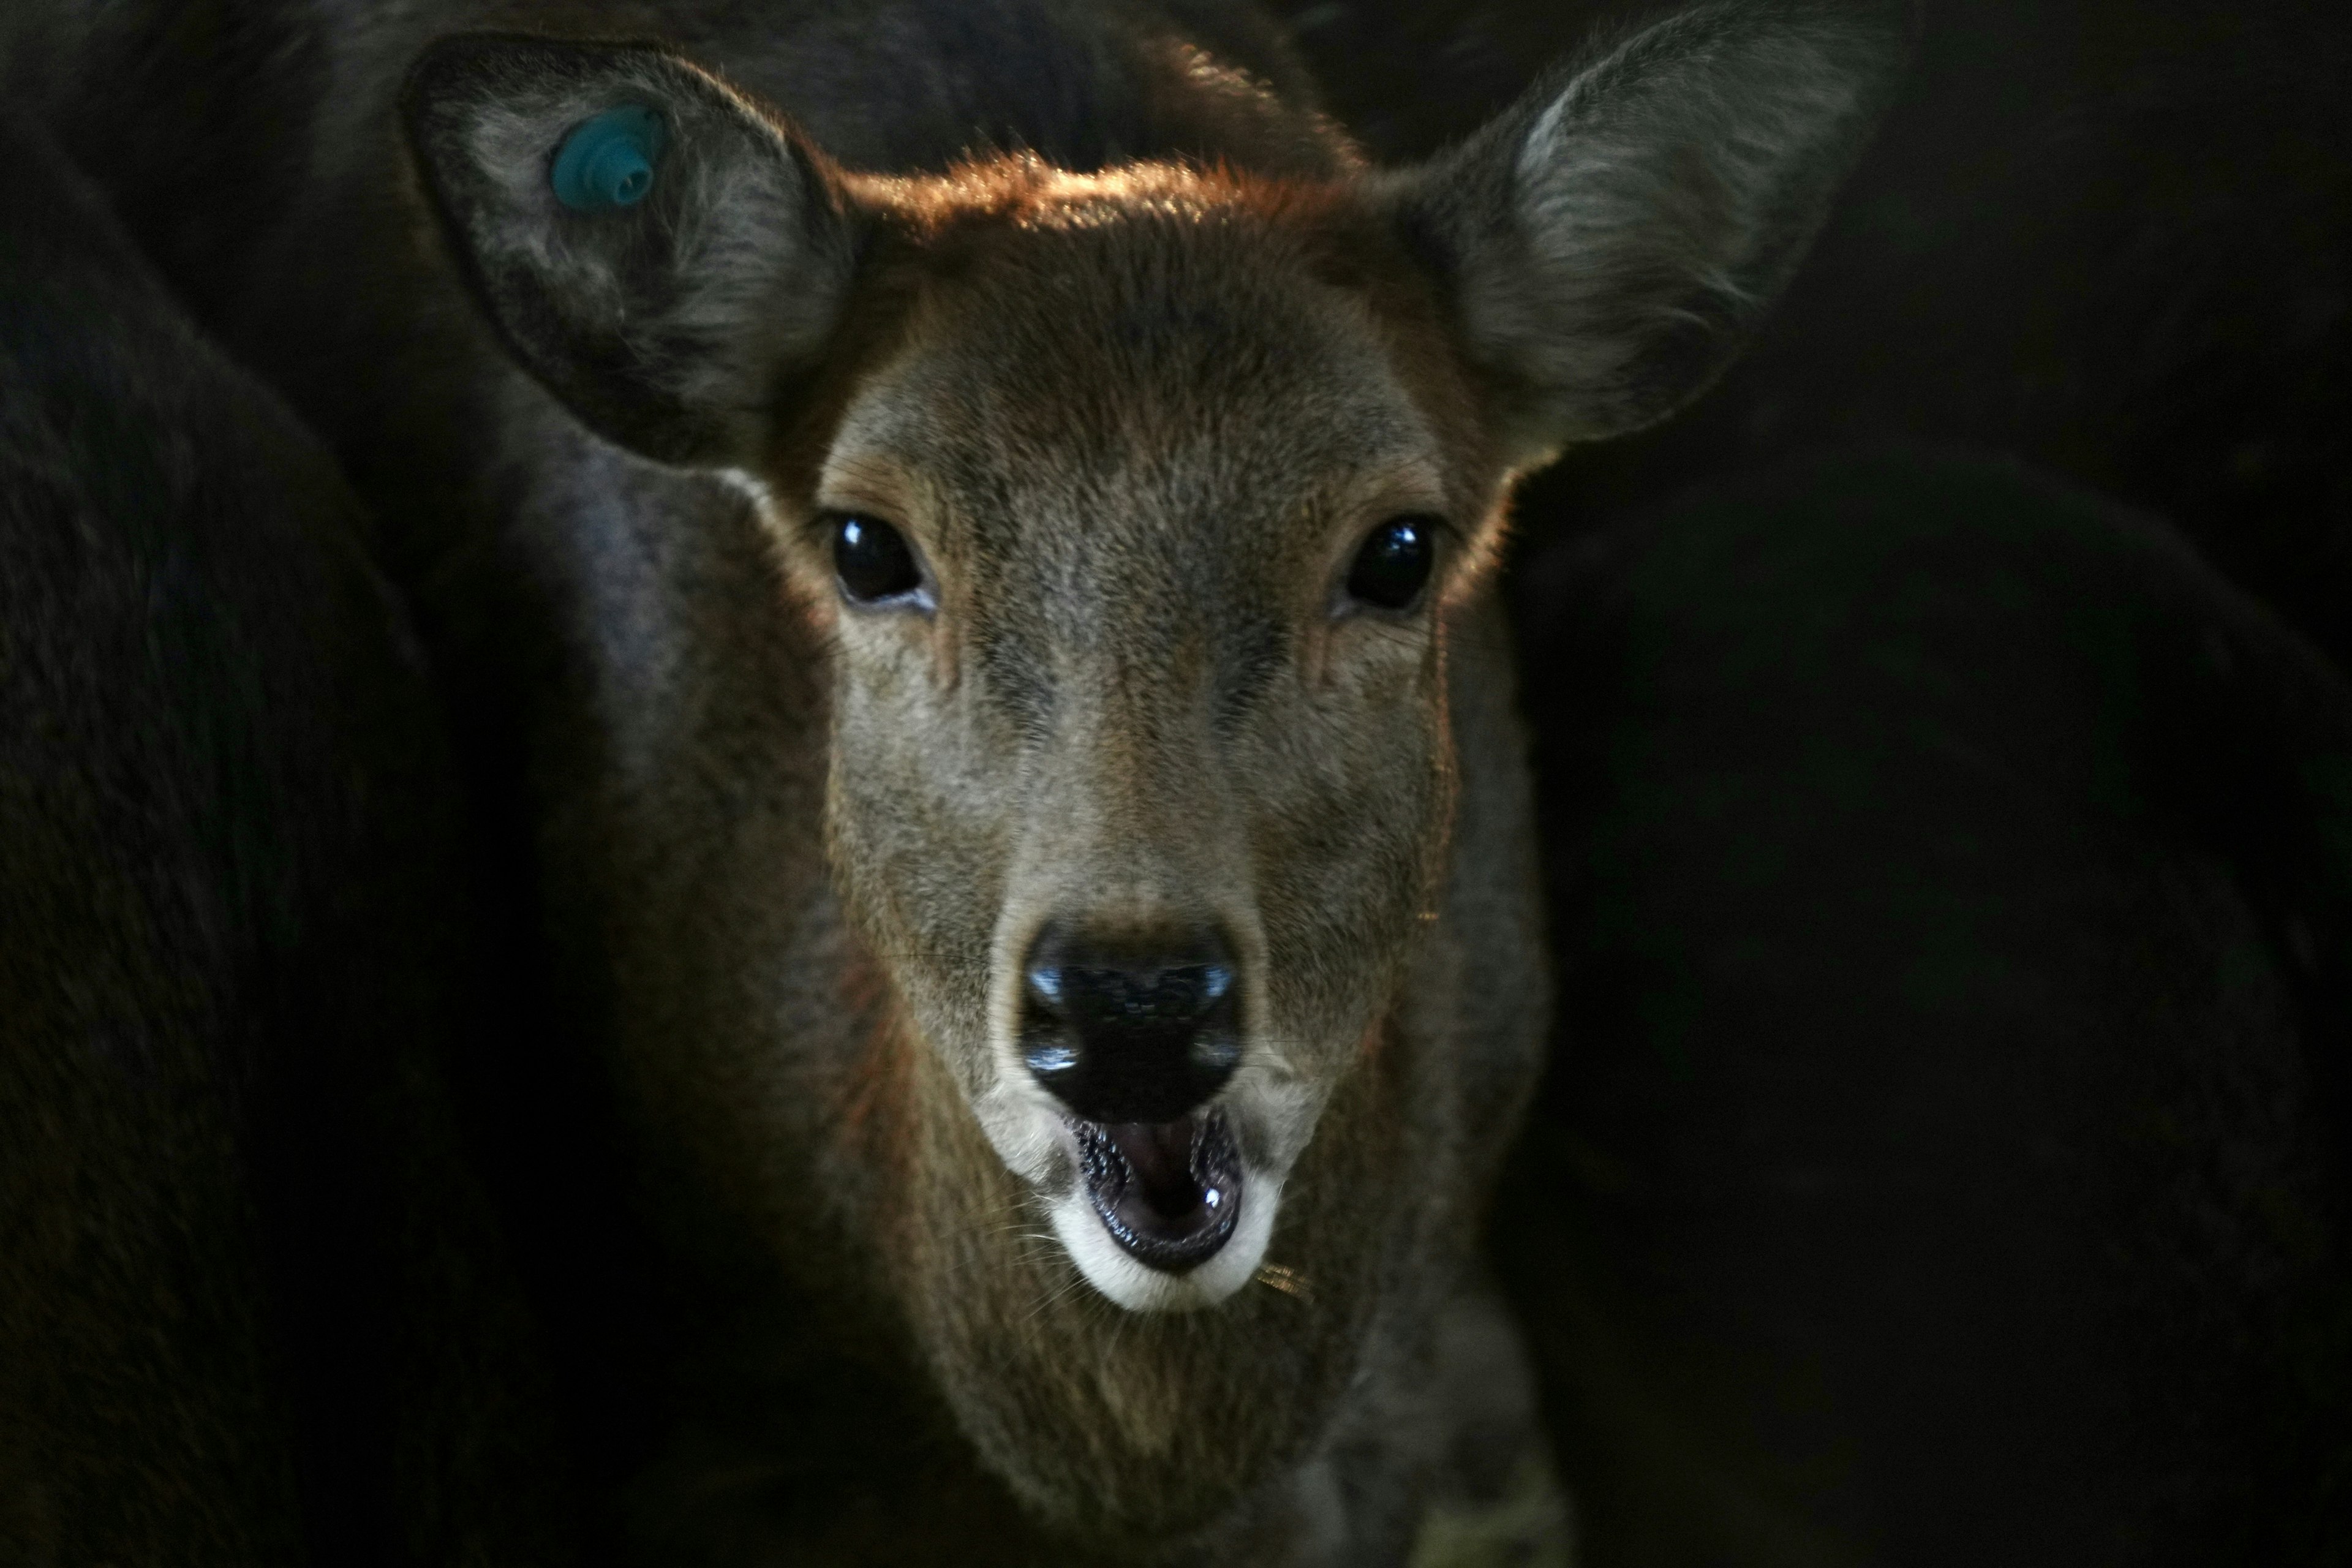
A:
1169,1193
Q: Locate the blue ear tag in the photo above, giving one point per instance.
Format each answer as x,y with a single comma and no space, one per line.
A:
608,161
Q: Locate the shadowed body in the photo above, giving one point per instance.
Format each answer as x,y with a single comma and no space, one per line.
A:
250,1304
1141,365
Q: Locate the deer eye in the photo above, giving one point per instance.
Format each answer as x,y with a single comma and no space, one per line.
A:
873,559
1394,563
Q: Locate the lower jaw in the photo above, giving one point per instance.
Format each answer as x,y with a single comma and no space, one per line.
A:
1118,1276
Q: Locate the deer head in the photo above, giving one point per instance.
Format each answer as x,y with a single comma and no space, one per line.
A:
1137,508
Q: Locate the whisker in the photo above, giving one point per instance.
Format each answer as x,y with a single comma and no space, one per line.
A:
1289,1280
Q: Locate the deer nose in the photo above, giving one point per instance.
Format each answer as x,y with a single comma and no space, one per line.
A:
1130,1031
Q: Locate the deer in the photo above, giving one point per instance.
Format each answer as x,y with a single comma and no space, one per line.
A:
961,544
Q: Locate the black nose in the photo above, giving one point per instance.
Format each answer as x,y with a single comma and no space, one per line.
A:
1131,1030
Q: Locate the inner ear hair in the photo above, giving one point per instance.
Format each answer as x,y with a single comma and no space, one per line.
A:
1609,241
670,313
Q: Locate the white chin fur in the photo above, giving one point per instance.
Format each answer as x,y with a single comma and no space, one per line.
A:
1109,1269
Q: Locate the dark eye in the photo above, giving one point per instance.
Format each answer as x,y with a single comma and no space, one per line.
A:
1394,562
873,559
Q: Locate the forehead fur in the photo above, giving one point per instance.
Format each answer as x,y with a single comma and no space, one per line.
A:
1160,304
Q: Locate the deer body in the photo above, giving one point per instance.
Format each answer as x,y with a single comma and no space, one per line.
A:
982,664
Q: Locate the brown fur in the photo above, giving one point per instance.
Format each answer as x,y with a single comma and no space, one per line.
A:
1137,395
1037,521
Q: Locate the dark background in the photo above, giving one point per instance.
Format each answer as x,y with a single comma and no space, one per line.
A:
1946,793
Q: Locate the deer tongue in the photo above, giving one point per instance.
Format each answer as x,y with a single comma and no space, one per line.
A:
1168,1192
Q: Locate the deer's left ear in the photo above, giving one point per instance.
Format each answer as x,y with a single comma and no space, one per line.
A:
1609,241
664,257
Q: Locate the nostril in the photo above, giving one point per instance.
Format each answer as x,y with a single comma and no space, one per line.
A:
1131,1030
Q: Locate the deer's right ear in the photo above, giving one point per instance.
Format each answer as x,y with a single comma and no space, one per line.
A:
665,258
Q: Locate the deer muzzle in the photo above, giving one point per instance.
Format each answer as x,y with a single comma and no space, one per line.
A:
1134,1036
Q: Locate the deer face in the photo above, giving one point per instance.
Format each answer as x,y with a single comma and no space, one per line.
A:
1136,509
1134,544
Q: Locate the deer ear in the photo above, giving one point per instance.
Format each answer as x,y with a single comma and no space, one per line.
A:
1609,241
656,252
